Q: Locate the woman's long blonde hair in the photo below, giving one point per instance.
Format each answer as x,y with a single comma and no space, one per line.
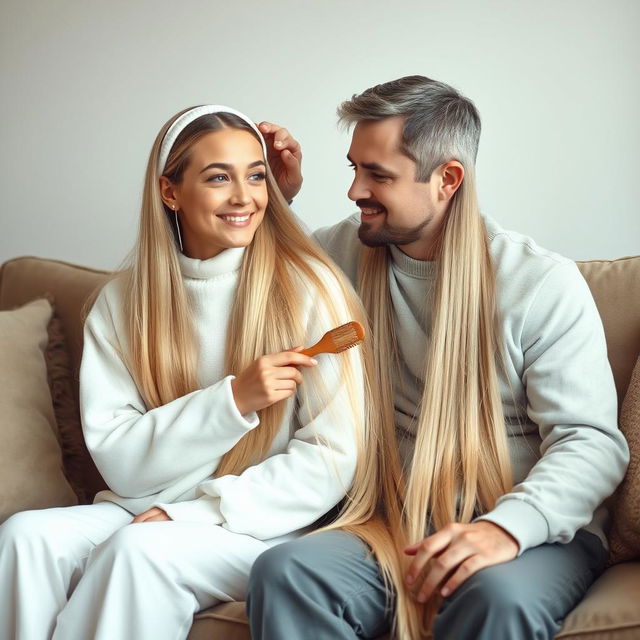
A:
461,462
267,312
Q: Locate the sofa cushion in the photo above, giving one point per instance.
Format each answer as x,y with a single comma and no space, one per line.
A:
624,538
610,609
228,621
65,408
615,286
31,474
71,286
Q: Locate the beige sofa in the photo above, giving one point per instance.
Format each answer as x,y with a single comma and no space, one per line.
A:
611,609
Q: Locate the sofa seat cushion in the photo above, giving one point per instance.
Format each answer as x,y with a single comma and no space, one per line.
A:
609,611
611,608
227,620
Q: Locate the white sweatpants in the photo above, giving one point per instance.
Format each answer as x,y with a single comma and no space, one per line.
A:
85,572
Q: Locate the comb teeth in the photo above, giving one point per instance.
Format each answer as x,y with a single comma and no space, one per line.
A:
344,347
347,336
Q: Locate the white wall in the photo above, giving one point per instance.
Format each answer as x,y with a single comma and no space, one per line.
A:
85,86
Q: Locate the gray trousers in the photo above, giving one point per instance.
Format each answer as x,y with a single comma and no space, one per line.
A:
327,586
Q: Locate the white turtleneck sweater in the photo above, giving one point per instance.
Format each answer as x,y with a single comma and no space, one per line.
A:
558,395
167,456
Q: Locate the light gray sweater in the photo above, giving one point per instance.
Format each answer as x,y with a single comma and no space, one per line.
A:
558,394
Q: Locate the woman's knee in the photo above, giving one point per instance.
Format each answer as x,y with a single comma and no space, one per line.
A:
44,527
140,540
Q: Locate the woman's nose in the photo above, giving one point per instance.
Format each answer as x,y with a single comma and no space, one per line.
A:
240,194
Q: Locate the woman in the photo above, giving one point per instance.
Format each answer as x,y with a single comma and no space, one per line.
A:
212,451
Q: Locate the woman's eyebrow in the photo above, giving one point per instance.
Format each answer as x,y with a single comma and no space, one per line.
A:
230,167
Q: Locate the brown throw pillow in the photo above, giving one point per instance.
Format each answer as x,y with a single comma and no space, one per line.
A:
75,457
624,538
31,474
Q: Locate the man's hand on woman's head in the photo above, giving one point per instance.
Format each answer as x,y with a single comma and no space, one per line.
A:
284,157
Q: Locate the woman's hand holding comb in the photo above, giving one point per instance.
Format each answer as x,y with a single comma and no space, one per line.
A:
269,379
272,378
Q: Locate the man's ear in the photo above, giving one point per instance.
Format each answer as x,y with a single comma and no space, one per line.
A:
450,176
168,193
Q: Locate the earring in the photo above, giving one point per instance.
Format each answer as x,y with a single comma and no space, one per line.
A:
175,213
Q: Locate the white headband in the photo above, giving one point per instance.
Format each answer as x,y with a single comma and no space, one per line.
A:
193,114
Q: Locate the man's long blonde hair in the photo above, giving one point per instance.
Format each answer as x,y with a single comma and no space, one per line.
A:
461,462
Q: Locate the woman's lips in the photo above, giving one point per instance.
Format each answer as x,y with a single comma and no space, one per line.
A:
237,220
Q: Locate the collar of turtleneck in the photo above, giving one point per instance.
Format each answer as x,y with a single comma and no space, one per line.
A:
416,268
227,261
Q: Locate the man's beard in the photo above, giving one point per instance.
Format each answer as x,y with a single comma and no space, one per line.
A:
386,234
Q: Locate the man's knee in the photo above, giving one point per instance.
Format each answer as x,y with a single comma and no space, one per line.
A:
311,559
493,603
494,585
279,567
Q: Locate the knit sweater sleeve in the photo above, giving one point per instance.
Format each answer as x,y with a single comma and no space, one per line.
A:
571,397
136,449
291,490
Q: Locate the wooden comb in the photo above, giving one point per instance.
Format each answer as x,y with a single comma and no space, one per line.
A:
337,340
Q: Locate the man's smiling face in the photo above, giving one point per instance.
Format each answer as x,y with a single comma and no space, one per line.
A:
395,209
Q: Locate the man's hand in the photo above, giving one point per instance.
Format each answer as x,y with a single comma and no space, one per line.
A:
454,553
155,514
284,158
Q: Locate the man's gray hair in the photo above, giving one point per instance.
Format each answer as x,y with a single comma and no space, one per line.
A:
441,124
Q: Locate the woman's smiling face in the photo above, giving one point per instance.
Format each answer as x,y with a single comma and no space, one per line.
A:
222,197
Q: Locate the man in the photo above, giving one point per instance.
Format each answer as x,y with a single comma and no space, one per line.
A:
504,402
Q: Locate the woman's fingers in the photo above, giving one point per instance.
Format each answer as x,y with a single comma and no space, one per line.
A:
269,379
285,385
291,358
288,373
155,514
